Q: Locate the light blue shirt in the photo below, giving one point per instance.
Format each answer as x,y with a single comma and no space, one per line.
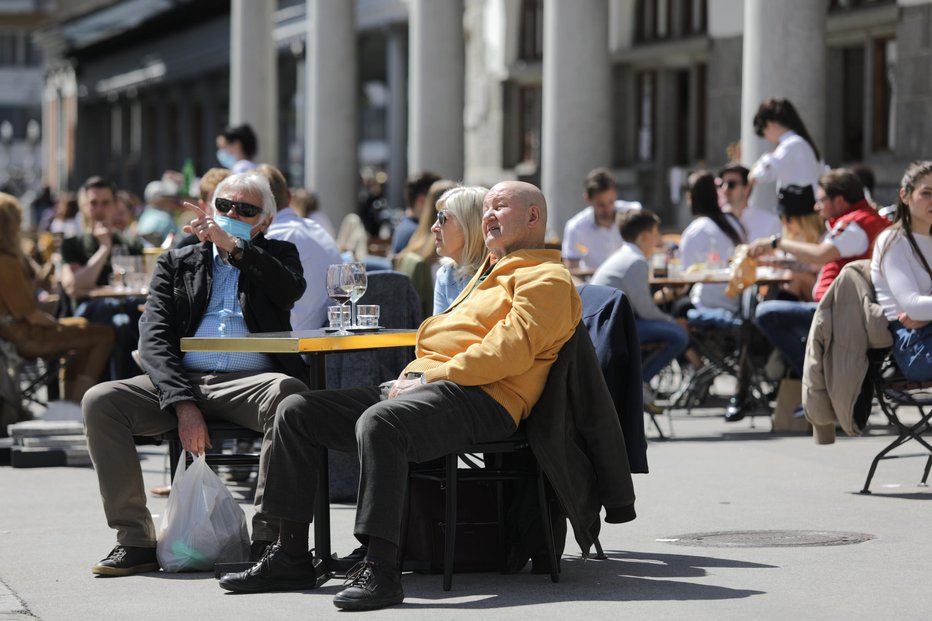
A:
224,317
447,287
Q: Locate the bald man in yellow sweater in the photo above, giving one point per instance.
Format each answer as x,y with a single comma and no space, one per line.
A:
480,368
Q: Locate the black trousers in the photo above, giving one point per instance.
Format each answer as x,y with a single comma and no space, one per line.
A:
426,423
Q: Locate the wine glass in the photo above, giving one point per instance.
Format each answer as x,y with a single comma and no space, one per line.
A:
339,286
359,283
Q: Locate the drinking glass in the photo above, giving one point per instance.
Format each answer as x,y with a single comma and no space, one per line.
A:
339,287
119,265
359,283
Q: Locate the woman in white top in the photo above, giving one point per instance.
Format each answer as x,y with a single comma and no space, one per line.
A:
458,237
709,239
902,276
796,159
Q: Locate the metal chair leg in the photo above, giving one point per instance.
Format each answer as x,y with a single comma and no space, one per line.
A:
548,526
449,539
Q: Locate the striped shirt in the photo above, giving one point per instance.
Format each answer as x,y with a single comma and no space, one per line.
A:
224,317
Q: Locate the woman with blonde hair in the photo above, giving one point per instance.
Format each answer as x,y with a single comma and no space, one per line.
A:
459,239
422,241
32,331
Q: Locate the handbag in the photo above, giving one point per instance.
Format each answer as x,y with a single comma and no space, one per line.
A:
203,524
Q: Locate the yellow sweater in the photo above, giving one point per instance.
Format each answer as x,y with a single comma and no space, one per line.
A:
504,333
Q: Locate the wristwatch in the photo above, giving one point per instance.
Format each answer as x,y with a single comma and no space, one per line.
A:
238,246
774,241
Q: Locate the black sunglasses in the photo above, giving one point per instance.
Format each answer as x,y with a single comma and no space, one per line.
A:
247,210
731,185
442,217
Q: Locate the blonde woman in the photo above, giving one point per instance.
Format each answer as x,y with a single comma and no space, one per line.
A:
458,238
32,331
422,241
796,208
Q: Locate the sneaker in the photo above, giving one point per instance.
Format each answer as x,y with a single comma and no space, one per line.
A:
126,561
276,571
370,586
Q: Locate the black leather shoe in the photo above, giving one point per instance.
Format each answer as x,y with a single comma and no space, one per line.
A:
345,564
126,561
370,587
275,571
734,412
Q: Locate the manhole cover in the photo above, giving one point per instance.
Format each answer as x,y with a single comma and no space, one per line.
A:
768,539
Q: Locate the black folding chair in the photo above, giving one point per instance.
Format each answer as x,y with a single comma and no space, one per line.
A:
892,392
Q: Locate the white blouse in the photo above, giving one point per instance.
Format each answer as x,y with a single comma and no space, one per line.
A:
901,281
793,162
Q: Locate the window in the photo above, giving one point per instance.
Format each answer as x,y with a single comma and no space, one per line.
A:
884,67
657,20
522,126
531,43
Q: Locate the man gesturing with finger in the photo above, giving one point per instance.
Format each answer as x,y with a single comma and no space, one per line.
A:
234,282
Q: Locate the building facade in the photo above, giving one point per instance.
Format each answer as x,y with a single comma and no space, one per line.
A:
483,90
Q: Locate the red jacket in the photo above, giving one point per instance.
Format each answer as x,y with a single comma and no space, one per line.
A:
871,223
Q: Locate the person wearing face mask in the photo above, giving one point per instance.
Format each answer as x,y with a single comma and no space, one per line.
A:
233,282
236,147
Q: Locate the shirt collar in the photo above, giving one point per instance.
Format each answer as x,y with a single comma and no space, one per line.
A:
634,248
787,135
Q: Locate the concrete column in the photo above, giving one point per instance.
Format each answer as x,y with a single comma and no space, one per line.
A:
331,168
254,73
783,56
397,73
437,87
576,108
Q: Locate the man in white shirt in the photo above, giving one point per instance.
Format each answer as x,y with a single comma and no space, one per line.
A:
315,247
591,236
733,187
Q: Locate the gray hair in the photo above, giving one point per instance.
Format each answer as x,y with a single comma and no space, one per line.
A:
252,183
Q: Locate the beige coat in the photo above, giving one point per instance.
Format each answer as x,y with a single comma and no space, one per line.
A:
847,323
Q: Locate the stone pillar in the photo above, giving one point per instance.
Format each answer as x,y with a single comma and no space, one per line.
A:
397,74
437,86
577,103
783,56
330,152
254,73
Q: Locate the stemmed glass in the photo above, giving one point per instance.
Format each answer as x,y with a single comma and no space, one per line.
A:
359,283
339,287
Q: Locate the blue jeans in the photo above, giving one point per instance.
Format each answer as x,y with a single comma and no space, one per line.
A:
912,350
786,325
672,335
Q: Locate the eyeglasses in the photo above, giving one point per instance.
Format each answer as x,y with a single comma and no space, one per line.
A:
442,217
729,185
247,210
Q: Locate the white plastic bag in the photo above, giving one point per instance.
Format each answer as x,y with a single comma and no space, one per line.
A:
203,524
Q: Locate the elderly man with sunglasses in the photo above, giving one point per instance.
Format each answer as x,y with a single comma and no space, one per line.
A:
235,281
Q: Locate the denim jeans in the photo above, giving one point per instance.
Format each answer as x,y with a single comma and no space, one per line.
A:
674,339
912,350
786,325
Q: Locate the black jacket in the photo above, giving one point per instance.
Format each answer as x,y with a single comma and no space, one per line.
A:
271,279
575,435
610,320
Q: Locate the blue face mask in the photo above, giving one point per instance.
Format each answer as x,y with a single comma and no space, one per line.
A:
225,158
236,228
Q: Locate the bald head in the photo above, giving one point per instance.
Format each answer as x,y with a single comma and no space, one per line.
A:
514,217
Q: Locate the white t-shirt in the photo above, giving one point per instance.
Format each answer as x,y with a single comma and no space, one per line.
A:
901,281
317,251
696,242
587,242
793,162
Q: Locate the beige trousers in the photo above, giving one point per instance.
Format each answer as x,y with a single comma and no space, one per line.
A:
114,412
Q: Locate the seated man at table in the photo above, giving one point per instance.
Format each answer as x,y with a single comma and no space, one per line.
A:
480,368
852,227
87,264
235,282
628,269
